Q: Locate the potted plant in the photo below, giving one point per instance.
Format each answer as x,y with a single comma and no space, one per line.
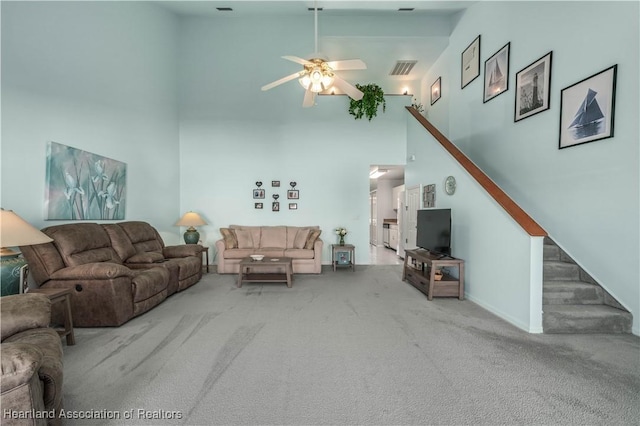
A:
368,105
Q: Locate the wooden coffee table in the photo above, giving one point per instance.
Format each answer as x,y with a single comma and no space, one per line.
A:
250,271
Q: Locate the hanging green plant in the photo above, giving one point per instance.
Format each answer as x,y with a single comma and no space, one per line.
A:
368,105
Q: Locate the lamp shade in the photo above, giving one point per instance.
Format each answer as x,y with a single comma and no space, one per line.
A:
15,231
191,219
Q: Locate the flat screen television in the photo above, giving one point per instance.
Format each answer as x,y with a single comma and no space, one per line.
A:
434,230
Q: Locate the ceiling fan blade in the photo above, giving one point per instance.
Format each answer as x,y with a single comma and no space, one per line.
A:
349,64
347,88
297,60
281,81
309,99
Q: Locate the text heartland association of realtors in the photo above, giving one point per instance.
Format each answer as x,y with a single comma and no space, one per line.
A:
134,413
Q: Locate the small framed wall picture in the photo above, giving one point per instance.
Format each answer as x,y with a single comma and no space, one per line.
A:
257,206
496,73
533,88
258,193
436,90
293,206
587,109
470,63
293,194
275,206
275,183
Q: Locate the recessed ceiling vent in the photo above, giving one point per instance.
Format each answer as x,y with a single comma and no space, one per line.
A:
403,68
224,9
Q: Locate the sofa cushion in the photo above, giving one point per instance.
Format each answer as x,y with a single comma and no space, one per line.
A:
229,237
149,282
81,243
273,236
150,257
238,253
311,239
143,236
271,251
120,241
299,253
301,238
254,230
245,239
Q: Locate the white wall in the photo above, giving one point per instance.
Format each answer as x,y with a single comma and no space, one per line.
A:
98,76
232,134
586,197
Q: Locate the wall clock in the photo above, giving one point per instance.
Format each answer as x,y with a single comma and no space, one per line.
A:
450,185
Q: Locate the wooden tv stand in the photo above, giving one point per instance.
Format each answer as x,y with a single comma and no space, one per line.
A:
423,275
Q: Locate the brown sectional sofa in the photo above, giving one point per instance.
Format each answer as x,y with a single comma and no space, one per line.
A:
301,243
32,363
115,271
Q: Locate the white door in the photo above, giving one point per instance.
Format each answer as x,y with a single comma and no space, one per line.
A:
373,219
411,217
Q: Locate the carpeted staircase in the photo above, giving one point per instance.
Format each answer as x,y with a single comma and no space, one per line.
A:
573,302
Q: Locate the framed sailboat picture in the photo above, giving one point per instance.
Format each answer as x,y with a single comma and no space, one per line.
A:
436,90
496,73
533,88
587,109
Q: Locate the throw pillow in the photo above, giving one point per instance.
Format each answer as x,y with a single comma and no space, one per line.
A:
245,240
301,238
311,239
229,237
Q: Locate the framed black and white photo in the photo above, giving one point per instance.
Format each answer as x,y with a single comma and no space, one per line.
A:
275,206
587,109
470,63
436,90
293,206
258,193
293,194
496,73
533,88
257,206
275,183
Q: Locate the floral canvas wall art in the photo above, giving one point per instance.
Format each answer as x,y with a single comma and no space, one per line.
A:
83,186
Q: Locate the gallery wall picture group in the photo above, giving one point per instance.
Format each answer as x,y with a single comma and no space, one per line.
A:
533,88
496,73
259,194
587,109
470,62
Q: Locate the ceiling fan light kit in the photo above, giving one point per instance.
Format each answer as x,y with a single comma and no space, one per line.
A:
319,74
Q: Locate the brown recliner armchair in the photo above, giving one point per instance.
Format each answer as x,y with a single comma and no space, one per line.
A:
140,246
32,366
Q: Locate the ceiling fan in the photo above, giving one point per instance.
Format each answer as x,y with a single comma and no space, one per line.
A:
319,74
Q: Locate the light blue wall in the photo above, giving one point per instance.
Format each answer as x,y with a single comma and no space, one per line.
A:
586,197
97,76
232,134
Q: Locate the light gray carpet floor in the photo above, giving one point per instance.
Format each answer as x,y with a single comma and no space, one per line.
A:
359,348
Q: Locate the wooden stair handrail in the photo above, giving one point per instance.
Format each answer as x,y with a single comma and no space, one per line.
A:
515,211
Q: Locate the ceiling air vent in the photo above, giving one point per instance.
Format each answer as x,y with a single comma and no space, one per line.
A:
403,68
224,9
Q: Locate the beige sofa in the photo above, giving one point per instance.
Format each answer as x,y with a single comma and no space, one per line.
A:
301,243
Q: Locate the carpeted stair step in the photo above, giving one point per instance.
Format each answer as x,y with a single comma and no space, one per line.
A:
551,252
585,319
560,271
572,293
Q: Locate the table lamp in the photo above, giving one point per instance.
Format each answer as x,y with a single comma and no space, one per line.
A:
191,219
14,232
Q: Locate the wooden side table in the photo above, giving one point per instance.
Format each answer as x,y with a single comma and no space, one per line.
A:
205,253
61,295
336,257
